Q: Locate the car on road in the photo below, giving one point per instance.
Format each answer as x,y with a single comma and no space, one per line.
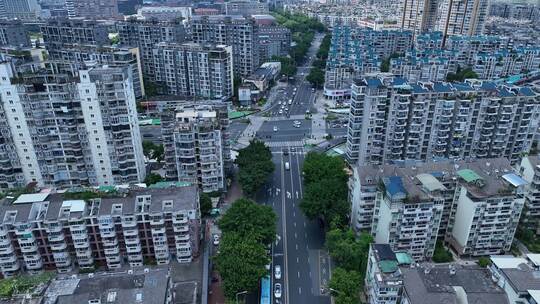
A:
312,89
279,102
296,124
293,149
216,239
277,272
286,109
275,128
277,290
290,101
287,166
285,151
280,111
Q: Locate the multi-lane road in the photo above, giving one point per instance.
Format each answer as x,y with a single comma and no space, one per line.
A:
299,249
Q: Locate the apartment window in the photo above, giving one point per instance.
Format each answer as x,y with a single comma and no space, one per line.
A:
10,101
8,93
87,91
13,110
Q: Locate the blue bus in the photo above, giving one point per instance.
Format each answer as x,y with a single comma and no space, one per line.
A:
265,290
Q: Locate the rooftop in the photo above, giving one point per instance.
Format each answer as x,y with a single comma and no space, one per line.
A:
448,284
482,178
148,287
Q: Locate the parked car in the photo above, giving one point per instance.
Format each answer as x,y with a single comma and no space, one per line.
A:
216,239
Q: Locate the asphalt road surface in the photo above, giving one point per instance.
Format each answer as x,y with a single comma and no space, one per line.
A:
299,247
286,131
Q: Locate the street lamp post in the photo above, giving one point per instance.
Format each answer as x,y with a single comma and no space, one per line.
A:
239,293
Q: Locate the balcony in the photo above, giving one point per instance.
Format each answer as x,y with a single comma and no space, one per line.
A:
58,246
183,228
156,221
182,237
81,245
131,232
29,249
80,236
111,251
113,259
110,242
133,249
162,254
160,230
180,219
56,237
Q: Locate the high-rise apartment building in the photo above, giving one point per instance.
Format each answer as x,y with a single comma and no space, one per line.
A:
197,148
452,17
52,230
191,69
146,34
410,206
409,213
62,33
465,17
392,119
530,170
83,43
62,131
419,15
239,32
348,58
488,206
20,9
92,9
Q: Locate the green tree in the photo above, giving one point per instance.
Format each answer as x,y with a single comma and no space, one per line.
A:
326,191
255,164
461,74
206,203
316,77
288,66
441,254
247,218
158,153
348,251
484,262
345,286
241,263
153,178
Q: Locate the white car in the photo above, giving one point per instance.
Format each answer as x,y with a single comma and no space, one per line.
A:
280,112
286,109
290,101
216,239
277,290
275,128
277,272
279,102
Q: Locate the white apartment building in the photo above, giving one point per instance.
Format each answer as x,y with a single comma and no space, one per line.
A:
55,230
419,15
191,69
411,205
408,213
61,131
530,171
145,34
517,276
384,278
239,32
465,17
392,119
488,206
392,277
196,145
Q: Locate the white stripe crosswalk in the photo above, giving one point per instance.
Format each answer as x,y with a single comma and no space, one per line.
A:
284,144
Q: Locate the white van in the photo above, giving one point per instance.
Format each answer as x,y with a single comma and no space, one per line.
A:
287,166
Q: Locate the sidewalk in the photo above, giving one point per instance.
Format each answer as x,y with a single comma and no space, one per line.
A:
318,124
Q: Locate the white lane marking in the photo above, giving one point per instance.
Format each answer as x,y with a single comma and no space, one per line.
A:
310,274
305,234
294,213
299,290
296,246
295,235
296,194
304,224
299,274
294,224
297,260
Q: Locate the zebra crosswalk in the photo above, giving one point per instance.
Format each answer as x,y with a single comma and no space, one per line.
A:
284,144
